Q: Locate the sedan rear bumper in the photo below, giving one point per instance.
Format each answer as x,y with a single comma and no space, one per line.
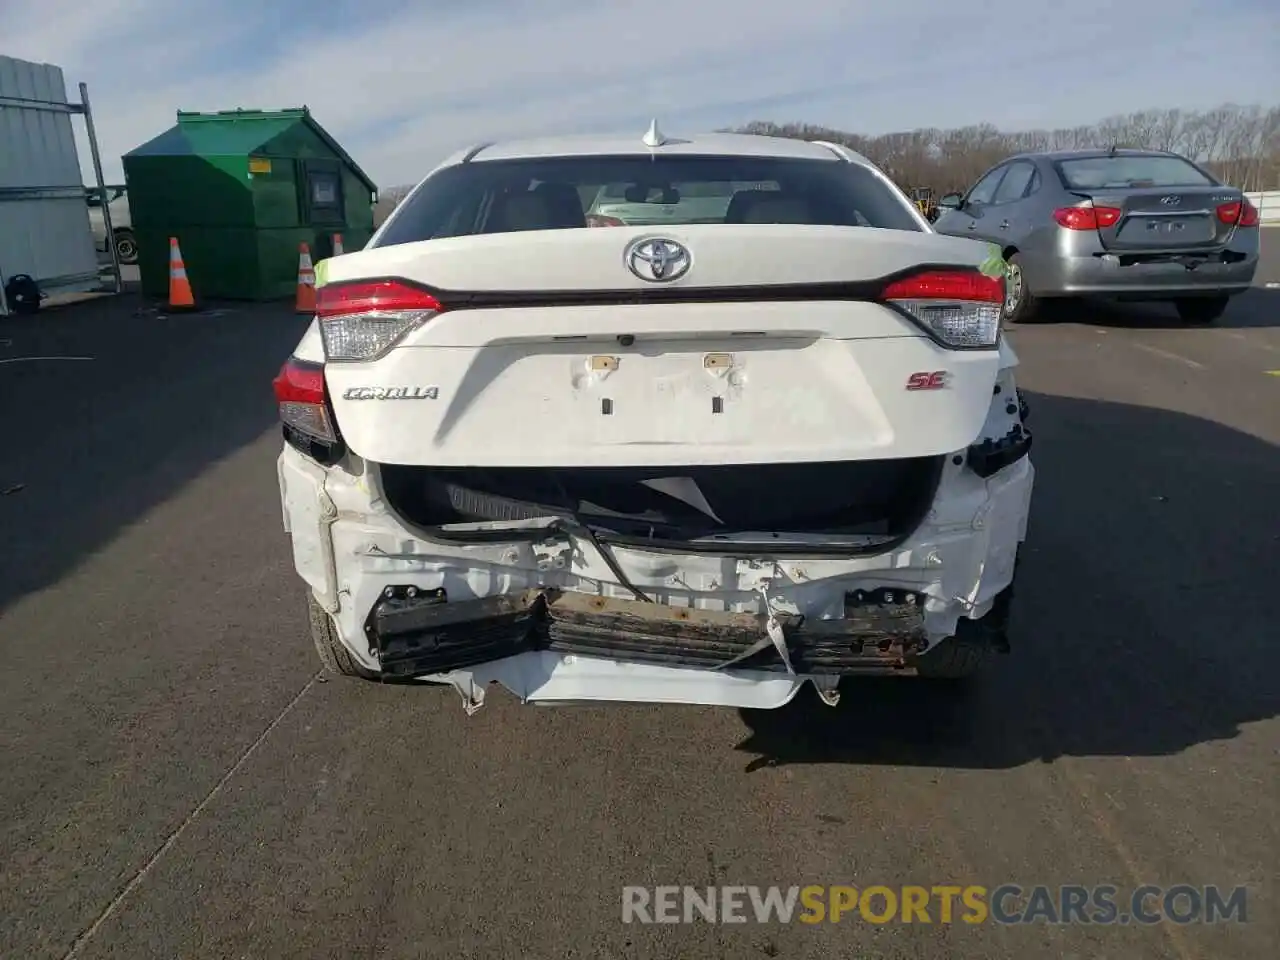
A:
541,612
1129,276
413,632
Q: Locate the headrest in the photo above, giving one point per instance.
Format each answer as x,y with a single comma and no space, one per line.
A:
768,206
564,203
520,211
550,206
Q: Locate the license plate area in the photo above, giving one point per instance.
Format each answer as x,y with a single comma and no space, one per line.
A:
1166,230
670,396
749,392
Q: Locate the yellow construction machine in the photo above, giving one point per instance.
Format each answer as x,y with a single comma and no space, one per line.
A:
925,201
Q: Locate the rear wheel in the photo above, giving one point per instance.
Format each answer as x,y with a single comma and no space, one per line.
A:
1020,304
335,657
956,658
126,246
960,657
1201,310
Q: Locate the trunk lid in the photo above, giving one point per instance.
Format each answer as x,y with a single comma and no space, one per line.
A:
1164,218
551,352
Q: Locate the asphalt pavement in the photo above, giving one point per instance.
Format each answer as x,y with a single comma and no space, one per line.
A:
177,783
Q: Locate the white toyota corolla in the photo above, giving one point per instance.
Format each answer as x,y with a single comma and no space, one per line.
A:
698,462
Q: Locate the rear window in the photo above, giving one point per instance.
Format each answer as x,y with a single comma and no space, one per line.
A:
1099,173
503,196
688,190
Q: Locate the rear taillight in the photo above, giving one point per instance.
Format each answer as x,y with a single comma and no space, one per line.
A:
1240,213
958,308
304,410
364,319
1086,217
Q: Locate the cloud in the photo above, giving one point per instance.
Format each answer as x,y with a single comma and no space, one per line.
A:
402,84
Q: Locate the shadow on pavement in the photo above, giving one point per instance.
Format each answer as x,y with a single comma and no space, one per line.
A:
91,445
1257,308
1140,622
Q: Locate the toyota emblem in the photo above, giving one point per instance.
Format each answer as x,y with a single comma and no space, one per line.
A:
657,259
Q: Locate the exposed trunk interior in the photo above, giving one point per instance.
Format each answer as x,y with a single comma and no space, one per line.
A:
884,498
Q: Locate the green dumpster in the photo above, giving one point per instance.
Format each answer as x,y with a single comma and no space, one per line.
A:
241,189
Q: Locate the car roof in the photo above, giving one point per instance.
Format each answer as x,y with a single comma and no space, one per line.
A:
714,144
1090,154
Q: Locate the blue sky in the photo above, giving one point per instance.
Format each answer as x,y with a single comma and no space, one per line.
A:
402,84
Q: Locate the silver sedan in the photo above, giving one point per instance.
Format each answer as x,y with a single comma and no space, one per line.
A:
1130,224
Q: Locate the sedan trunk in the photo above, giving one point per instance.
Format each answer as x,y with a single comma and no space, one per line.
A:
1165,218
552,354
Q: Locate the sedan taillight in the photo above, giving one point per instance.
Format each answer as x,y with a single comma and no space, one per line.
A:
363,319
959,309
305,413
1240,212
1086,217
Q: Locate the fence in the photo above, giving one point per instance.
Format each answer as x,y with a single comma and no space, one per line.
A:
1268,204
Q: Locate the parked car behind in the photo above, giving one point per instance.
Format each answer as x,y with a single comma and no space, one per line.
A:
1133,224
121,223
640,205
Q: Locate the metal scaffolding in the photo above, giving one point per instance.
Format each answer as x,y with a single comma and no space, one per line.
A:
49,103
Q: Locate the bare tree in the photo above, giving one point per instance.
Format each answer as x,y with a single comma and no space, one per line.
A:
1241,144
388,200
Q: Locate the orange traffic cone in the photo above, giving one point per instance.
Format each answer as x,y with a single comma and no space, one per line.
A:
306,301
180,295
337,245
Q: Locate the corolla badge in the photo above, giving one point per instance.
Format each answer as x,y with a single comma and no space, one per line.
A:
391,393
657,259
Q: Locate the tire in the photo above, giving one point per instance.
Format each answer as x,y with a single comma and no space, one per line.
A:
1201,310
956,658
126,246
1020,304
335,657
23,295
961,656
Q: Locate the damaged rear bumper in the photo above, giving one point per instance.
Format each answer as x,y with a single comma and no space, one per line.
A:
544,616
412,632
549,645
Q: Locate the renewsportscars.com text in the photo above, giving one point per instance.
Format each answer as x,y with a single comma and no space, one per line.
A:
952,903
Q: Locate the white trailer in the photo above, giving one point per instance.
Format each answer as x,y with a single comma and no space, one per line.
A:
44,218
